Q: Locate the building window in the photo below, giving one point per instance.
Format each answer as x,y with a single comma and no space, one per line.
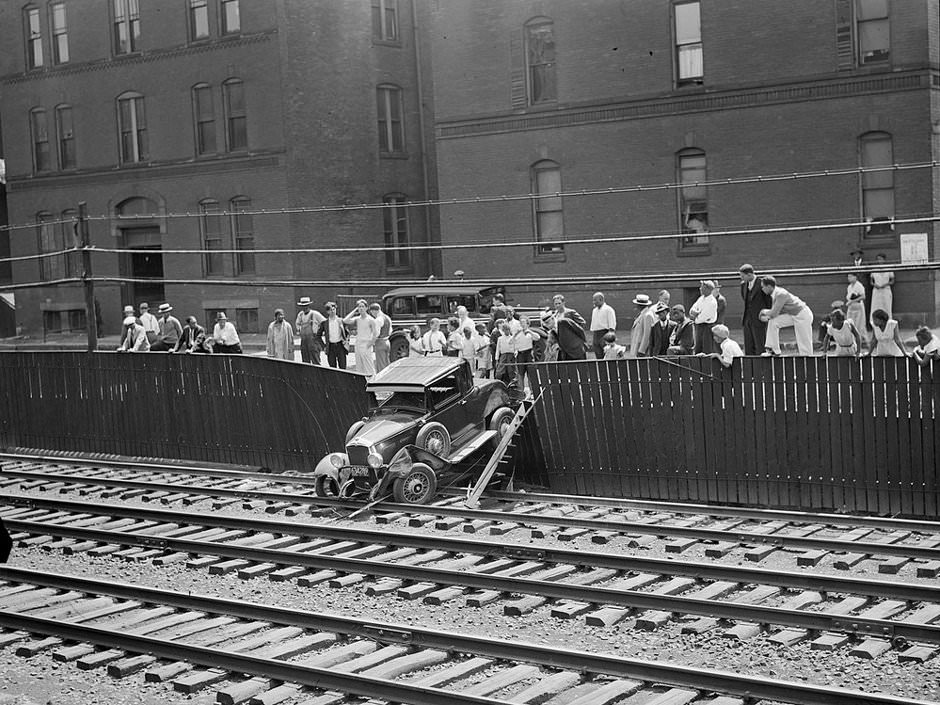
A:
391,127
236,120
33,38
210,230
540,60
875,150
65,137
395,223
693,200
126,26
72,262
874,31
39,131
204,115
243,236
132,123
60,34
231,18
246,320
385,20
548,217
198,19
50,268
689,59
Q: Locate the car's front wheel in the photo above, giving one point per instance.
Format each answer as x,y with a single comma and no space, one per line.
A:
417,487
326,486
435,438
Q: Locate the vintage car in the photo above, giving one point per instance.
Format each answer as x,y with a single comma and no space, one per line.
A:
431,415
416,305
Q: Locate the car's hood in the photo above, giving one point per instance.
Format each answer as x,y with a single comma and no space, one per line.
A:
380,428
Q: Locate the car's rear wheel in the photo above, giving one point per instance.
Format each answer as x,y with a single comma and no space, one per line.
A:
417,487
326,486
499,422
435,438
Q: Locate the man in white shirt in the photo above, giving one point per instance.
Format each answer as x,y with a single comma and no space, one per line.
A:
603,321
225,336
149,322
704,314
786,310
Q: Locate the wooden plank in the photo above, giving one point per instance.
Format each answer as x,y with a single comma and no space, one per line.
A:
913,411
933,381
864,417
699,462
675,464
814,440
897,432
885,488
752,460
610,399
659,435
853,496
601,460
827,439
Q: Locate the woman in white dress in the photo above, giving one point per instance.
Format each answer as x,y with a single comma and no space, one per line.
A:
367,330
844,334
855,303
887,340
881,294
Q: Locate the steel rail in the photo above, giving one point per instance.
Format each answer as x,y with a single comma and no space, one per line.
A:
553,590
927,553
852,520
568,659
453,544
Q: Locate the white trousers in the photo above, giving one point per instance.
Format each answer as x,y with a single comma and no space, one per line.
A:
802,326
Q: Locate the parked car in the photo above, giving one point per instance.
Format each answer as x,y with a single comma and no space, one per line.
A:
430,416
416,305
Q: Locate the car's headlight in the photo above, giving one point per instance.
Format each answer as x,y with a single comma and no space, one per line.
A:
375,461
338,460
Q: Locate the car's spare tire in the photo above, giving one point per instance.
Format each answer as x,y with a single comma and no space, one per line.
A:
435,438
417,487
499,422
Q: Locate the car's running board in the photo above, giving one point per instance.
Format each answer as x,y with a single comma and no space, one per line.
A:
471,446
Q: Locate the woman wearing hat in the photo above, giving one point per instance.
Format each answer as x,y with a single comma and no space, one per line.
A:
225,337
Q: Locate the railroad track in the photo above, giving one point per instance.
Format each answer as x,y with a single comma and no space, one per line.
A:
809,539
866,616
261,654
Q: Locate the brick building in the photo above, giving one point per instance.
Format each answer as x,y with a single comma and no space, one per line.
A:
178,121
547,96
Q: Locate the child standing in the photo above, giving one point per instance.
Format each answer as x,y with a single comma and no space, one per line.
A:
612,351
484,354
505,355
468,347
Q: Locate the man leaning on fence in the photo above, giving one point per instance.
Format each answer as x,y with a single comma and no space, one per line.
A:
134,337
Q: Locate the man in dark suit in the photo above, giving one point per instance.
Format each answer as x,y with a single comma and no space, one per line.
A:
755,300
681,340
333,336
661,330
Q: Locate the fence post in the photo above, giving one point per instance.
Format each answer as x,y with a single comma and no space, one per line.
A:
91,323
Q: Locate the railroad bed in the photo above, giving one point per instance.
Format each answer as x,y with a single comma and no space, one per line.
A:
828,599
261,654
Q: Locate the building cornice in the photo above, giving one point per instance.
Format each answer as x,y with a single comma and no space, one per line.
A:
138,58
166,170
682,102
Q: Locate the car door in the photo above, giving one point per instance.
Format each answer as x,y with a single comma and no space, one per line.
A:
463,414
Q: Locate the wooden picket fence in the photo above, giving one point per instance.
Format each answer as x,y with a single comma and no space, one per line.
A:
830,434
233,409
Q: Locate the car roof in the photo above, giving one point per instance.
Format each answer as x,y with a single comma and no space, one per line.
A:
414,373
442,289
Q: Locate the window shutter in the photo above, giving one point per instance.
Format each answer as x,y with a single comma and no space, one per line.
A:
517,69
845,49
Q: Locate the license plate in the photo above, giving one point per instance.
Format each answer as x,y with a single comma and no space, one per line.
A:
354,471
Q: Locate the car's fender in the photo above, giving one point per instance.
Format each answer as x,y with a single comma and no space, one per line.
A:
498,396
326,467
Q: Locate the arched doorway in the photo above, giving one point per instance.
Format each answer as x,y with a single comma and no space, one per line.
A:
144,264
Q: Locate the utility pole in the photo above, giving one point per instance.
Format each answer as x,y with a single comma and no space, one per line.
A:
91,323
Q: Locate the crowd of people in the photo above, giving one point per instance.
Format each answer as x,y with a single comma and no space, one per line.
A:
504,346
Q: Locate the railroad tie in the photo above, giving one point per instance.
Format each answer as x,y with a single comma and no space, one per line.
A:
275,695
930,569
606,693
918,653
448,523
236,693
673,696
421,520
197,680
340,654
547,687
389,517
407,663
504,679
829,641
455,672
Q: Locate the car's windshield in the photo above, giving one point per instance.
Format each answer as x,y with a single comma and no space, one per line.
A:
403,400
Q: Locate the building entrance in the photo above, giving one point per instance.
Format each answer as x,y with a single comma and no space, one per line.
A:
145,266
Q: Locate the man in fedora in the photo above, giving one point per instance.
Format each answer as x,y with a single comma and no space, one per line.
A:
307,326
642,326
661,330
225,337
169,331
